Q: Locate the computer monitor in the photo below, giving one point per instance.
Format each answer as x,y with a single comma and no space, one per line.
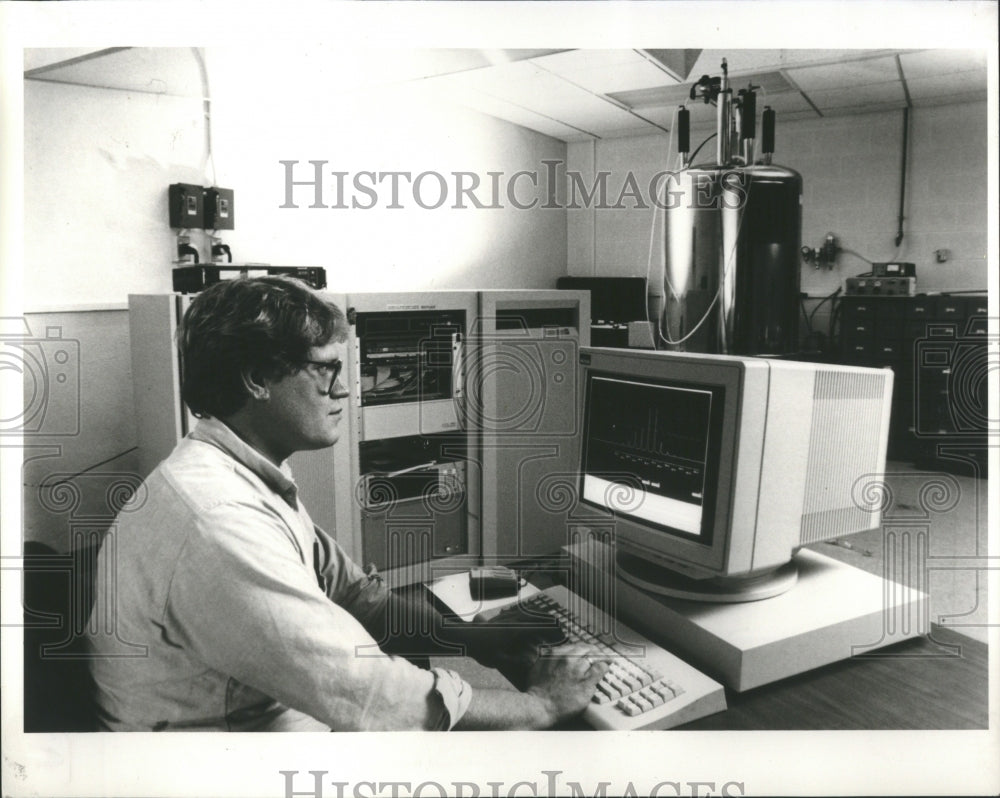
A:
717,469
613,300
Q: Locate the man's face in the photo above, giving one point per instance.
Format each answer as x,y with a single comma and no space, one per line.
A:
304,413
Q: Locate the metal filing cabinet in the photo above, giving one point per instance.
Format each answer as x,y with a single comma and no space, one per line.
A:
937,346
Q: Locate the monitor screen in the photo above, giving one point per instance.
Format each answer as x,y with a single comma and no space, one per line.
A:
651,451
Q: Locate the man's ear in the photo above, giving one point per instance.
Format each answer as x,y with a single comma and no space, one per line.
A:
256,384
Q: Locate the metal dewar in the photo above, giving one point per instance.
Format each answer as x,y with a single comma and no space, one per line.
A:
732,240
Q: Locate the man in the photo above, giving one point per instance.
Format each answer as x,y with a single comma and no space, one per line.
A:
229,608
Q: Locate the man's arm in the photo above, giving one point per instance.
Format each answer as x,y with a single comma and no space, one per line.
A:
561,685
552,688
242,601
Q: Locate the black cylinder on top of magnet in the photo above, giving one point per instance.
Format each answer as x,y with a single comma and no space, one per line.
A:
683,130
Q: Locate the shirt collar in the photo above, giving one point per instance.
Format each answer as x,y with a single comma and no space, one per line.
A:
214,432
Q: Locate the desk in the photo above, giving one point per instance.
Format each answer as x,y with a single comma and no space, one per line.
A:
934,682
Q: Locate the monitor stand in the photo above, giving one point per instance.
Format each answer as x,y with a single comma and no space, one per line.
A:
664,582
833,612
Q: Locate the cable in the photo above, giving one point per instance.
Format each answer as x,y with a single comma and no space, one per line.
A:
834,316
902,177
856,255
695,153
802,307
656,208
207,105
825,299
722,281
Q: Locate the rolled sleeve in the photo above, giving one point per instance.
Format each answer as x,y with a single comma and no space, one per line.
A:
245,601
455,695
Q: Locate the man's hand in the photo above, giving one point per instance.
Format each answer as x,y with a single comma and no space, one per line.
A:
510,641
565,678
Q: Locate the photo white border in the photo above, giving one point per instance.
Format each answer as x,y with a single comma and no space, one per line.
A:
245,765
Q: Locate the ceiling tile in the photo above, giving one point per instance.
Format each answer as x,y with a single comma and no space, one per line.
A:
512,112
787,102
946,86
930,63
654,97
40,57
610,124
159,70
886,95
772,83
740,61
929,102
852,73
544,93
605,71
664,116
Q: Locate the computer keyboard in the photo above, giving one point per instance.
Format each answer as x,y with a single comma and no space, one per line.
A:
647,687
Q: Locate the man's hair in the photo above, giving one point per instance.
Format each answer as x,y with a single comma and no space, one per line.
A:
263,324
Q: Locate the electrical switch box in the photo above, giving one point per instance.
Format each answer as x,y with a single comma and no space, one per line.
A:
187,207
219,209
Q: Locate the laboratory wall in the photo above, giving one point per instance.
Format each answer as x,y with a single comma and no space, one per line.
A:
97,166
851,169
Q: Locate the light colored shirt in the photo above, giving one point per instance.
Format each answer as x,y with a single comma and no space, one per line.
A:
221,606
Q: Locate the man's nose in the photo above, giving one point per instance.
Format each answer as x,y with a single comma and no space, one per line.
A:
338,390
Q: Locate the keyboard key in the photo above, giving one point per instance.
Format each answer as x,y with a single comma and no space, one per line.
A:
601,697
641,686
607,689
638,673
627,706
617,684
644,703
663,690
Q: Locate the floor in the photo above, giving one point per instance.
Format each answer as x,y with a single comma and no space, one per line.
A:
933,537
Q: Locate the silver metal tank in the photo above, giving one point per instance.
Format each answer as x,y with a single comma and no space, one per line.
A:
731,277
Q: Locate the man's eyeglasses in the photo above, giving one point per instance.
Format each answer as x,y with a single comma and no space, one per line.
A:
326,369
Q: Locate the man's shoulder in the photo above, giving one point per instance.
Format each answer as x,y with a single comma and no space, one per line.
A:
203,476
